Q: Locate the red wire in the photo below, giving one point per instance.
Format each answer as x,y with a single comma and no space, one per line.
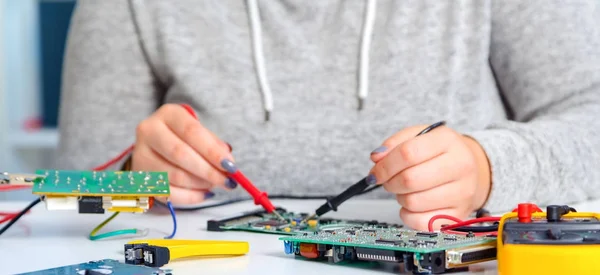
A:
460,223
6,188
7,218
114,160
439,217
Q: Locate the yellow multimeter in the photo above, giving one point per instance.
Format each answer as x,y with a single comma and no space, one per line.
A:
558,241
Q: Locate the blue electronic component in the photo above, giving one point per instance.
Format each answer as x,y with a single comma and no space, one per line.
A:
289,248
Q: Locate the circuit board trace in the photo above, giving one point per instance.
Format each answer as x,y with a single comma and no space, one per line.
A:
101,183
398,239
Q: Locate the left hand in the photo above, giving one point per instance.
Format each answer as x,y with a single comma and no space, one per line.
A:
438,173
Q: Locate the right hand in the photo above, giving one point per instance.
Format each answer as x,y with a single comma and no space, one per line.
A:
173,141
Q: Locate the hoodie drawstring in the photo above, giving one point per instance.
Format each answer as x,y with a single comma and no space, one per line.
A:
259,59
363,73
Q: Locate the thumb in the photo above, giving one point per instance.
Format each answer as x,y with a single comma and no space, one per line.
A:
395,140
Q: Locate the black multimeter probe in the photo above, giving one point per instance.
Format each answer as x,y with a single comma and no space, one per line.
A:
357,188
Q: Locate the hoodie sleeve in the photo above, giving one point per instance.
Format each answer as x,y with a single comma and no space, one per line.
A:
546,58
108,86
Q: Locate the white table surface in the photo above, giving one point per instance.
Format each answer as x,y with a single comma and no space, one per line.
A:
45,239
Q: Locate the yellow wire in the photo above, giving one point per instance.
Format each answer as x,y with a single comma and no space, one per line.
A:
94,237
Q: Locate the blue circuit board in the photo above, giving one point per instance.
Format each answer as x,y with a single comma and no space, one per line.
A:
106,266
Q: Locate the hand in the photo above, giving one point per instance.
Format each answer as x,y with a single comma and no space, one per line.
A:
440,172
172,140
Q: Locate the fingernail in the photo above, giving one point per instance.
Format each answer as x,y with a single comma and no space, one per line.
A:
371,179
231,184
208,195
229,145
228,166
379,149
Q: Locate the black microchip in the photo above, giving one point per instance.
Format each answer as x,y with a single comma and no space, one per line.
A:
91,205
394,242
326,220
432,242
453,238
412,240
369,230
427,234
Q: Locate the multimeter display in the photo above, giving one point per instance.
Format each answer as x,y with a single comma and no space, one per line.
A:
567,231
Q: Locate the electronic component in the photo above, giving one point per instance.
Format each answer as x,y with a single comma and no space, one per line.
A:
421,252
262,222
106,266
529,238
90,205
94,192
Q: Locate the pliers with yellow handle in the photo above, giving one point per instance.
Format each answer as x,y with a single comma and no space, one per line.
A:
158,252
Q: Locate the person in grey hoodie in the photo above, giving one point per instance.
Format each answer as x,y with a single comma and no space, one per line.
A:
302,91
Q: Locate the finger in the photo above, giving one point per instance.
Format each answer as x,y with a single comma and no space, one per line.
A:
174,150
420,221
449,195
413,152
182,196
395,140
442,169
177,176
197,136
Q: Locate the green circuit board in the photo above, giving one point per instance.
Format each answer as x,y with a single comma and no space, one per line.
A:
420,252
101,183
398,239
261,222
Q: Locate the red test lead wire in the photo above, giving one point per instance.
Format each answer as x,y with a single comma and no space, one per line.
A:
260,198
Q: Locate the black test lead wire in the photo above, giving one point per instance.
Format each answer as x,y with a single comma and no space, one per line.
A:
357,188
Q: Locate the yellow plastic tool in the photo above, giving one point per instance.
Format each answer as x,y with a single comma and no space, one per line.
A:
532,242
158,252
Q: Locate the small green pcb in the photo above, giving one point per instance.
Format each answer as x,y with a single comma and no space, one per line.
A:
398,239
101,183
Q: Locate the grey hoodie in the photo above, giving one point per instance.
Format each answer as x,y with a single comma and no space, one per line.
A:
521,77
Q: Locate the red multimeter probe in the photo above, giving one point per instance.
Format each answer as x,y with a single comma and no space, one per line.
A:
260,198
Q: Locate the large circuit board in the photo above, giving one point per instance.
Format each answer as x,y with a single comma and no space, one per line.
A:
422,252
260,221
101,183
